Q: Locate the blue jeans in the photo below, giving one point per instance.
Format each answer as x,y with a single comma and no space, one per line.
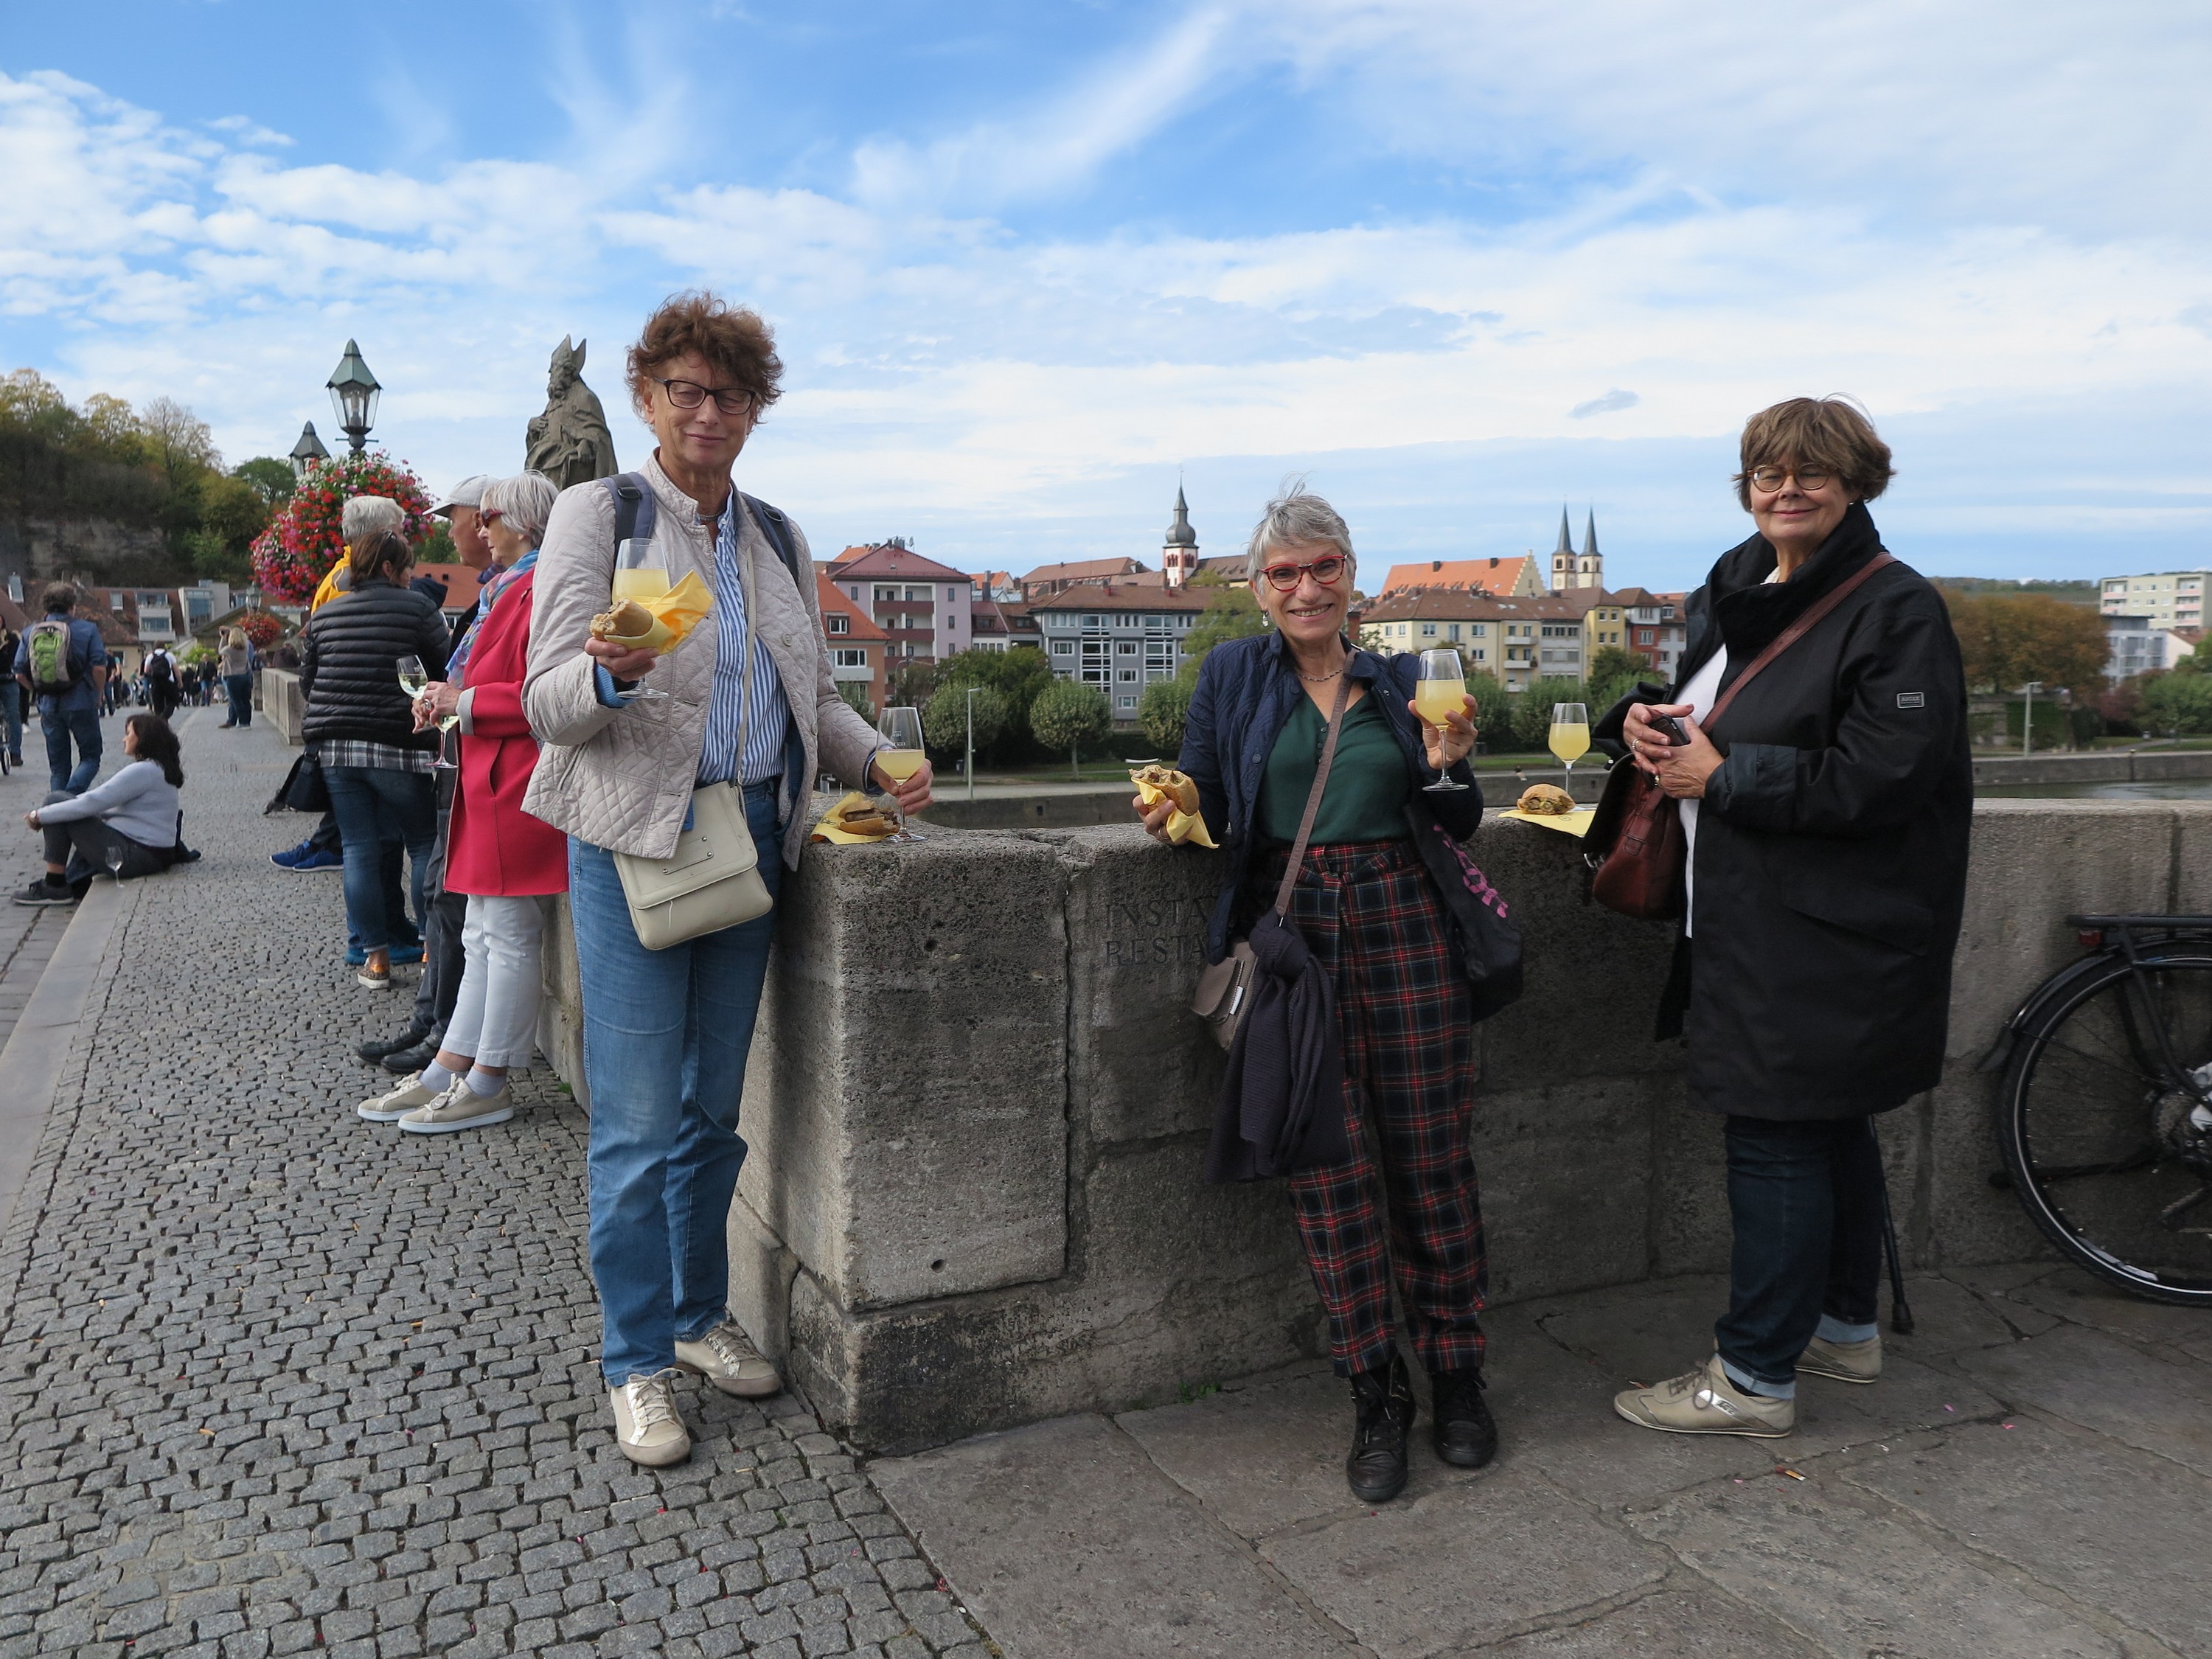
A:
666,1035
376,806
11,710
241,688
1806,1198
83,725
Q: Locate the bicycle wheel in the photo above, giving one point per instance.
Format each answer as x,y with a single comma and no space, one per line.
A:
2098,1143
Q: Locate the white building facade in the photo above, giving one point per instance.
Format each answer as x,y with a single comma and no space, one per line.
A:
2169,598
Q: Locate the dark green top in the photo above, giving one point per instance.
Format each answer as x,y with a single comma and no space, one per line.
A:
1367,785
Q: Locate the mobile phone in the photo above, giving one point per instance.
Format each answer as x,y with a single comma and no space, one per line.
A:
1667,727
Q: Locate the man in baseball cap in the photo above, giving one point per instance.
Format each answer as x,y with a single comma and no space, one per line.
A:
469,493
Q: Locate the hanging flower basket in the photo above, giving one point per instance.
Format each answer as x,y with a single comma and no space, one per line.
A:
263,629
303,542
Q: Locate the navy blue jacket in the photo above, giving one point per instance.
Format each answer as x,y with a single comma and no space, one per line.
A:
1247,691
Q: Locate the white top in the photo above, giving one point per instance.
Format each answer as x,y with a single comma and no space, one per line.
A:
138,801
1702,692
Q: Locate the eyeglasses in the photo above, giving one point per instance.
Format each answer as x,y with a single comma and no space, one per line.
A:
1771,478
1325,570
690,394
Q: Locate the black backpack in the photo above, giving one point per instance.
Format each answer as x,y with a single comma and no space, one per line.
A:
636,513
161,666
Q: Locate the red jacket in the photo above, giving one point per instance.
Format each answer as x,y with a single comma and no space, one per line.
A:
493,848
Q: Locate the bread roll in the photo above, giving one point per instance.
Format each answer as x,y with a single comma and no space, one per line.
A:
1176,786
1548,798
628,620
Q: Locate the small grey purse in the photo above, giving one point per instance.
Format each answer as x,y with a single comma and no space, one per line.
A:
710,882
1225,988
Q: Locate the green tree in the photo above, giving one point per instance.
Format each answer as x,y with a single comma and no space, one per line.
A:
1493,714
2007,640
1165,707
1532,711
1017,674
271,479
856,699
2176,703
1231,613
944,718
1067,714
908,684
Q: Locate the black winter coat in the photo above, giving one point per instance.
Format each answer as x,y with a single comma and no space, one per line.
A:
349,665
1832,843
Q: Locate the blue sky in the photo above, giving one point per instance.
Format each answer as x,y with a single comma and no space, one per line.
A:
1029,264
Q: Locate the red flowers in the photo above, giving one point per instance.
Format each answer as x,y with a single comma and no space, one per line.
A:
303,542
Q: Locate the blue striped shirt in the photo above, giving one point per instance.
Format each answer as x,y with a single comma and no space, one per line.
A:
768,718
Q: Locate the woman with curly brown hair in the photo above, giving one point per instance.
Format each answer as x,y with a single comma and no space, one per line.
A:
749,707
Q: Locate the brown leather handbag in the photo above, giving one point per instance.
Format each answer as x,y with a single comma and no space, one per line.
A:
1636,843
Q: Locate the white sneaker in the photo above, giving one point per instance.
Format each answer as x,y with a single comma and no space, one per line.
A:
1704,1401
647,1427
459,1108
395,1104
1845,1362
726,1358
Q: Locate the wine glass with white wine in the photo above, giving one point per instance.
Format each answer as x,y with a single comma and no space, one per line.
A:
633,578
1570,736
115,860
1441,692
900,757
415,680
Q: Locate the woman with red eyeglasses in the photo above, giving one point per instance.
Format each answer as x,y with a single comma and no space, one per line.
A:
1377,902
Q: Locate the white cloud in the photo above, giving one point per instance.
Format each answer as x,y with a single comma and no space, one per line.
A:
1609,403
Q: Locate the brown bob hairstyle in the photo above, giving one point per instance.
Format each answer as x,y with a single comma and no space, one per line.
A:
1829,432
387,556
740,345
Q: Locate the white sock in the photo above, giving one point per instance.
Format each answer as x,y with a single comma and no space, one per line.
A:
482,1086
437,1078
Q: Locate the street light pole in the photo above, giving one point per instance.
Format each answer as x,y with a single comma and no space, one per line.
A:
972,690
2027,723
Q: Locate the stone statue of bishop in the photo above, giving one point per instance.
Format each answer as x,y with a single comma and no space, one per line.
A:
569,443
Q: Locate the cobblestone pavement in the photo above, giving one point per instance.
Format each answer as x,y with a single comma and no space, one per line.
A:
277,1380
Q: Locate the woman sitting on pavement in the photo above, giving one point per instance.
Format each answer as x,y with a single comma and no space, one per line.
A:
1827,819
749,706
362,726
503,858
135,811
1374,915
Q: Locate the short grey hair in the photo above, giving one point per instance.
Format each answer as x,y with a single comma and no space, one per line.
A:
526,501
370,515
1296,517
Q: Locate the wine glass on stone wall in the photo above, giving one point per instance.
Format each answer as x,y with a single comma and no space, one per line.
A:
900,757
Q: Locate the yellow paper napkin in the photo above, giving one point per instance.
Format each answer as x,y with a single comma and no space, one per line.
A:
675,614
1182,826
828,829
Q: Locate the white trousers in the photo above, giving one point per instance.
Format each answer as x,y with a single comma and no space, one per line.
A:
494,1020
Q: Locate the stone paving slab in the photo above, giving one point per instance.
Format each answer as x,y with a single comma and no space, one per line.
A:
2088,1378
1688,1623
282,1382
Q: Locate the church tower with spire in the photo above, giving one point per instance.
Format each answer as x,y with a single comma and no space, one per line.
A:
1573,569
1179,556
1563,557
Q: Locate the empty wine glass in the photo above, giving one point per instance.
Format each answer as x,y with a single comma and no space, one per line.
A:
115,861
901,757
1441,692
415,680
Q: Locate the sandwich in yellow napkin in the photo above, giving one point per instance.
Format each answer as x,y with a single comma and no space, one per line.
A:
868,819
1155,783
659,624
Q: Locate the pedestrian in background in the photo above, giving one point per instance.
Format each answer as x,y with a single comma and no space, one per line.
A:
63,666
507,862
163,687
363,727
11,694
1827,814
749,706
236,660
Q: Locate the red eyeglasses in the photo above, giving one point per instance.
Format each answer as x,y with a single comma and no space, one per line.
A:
1324,570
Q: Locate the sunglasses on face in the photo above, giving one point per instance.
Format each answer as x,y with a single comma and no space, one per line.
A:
1282,578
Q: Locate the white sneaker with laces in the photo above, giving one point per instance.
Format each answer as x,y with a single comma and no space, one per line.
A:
395,1104
459,1108
726,1358
647,1427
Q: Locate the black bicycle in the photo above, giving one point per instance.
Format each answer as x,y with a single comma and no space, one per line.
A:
2105,1117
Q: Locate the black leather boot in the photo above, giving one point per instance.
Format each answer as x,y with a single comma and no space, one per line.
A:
1384,1400
373,1051
1465,1433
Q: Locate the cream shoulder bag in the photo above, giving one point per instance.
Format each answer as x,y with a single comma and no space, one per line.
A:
712,880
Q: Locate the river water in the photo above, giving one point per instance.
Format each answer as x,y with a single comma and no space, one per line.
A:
2160,789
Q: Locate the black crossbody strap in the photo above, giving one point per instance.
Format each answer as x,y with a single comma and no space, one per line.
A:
1314,795
1798,630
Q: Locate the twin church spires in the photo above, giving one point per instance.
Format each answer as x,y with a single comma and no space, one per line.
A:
1573,569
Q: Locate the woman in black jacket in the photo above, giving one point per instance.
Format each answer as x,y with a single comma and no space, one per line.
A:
1828,815
1377,904
362,727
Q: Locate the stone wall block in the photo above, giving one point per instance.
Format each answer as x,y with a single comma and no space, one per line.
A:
1969,1221
1592,977
561,1014
1540,1153
2192,857
1688,1231
907,1098
1140,1063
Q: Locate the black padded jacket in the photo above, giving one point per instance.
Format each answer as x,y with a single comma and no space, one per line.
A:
349,665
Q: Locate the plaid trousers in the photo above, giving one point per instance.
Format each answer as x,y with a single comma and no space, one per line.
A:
1370,916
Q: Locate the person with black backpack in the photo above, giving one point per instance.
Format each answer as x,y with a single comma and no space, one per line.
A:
162,688
62,665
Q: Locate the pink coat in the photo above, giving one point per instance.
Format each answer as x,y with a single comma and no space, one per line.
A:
493,848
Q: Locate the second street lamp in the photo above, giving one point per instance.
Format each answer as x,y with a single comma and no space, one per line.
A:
353,394
307,451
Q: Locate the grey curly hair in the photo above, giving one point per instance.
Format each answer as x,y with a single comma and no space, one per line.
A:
1297,517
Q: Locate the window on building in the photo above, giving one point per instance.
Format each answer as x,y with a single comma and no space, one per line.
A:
836,623
1063,648
849,657
917,593
1454,630
1094,620
1126,647
885,595
1124,619
1127,702
1428,630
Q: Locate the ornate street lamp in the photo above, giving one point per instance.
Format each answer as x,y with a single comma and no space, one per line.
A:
353,394
307,451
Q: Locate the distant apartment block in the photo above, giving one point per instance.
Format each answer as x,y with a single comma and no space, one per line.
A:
924,608
857,646
2140,645
1117,636
2169,598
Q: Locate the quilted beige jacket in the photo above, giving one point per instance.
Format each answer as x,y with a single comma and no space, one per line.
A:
622,778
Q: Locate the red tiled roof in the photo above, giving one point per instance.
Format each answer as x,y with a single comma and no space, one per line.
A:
903,562
1081,570
861,627
1492,576
1132,595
